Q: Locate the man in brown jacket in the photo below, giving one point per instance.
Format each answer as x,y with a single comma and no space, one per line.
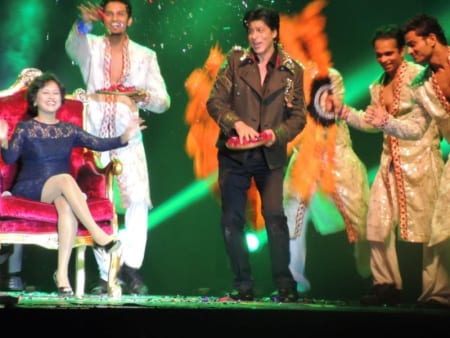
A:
257,96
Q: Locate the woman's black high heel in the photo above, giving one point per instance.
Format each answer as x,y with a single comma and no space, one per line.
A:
110,247
63,291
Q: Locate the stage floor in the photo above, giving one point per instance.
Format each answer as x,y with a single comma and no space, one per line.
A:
169,316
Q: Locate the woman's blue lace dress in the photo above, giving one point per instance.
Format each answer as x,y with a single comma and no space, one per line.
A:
44,150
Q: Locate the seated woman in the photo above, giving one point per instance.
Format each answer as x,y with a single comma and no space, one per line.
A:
43,145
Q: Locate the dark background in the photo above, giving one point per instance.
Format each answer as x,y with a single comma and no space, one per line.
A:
185,252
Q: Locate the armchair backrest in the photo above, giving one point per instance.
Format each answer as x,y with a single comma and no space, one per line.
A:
13,109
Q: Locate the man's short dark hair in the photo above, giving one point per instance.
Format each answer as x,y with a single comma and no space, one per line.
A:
389,32
424,25
269,16
125,2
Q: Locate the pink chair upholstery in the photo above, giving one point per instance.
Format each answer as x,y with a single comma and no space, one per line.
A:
24,221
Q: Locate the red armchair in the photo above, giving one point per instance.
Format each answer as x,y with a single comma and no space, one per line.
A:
24,221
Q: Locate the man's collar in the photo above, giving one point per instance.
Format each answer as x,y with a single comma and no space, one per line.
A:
279,59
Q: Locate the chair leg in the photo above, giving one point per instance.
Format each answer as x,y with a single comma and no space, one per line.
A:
114,289
80,275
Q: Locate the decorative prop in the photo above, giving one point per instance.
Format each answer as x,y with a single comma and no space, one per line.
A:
119,90
317,107
234,144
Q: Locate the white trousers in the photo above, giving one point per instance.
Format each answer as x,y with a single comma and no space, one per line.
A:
297,242
435,268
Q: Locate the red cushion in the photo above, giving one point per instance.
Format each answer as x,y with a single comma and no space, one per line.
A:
20,226
18,207
13,109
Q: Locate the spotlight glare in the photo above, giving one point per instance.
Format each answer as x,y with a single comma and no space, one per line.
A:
252,242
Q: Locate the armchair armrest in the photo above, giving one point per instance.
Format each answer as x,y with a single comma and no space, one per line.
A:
96,181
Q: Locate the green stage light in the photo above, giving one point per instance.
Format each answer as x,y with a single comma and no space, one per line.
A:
193,193
255,239
182,200
252,241
22,33
357,84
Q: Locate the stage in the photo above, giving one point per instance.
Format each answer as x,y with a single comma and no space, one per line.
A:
45,314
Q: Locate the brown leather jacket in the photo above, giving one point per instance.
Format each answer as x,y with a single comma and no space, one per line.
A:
237,95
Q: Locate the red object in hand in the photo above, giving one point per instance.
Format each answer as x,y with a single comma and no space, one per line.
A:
122,88
234,144
118,89
101,14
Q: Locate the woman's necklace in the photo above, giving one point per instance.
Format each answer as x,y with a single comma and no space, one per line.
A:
46,121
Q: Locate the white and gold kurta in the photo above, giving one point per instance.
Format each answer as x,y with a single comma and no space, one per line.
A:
109,115
405,197
430,110
429,99
326,180
337,173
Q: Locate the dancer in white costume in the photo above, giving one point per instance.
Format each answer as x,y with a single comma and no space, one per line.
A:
405,192
332,189
121,77
427,45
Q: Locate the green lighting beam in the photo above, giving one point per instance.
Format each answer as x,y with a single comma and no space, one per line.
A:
184,198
